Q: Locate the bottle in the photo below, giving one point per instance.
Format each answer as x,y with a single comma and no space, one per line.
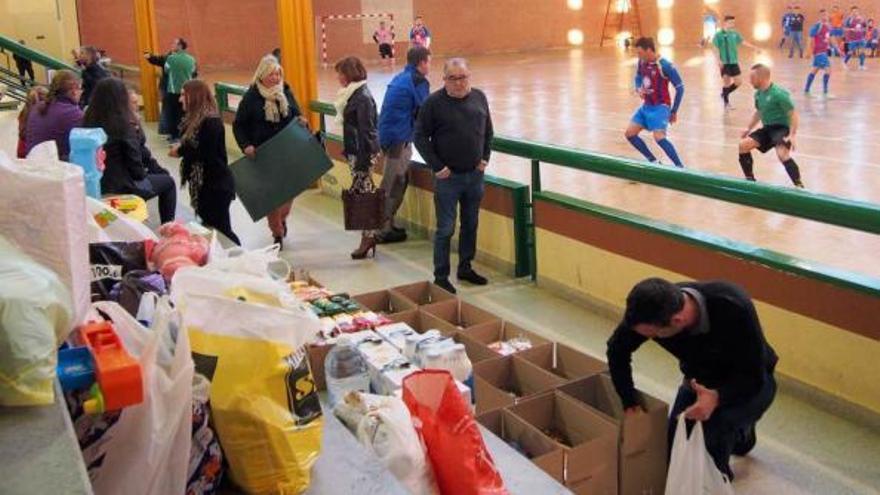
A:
346,370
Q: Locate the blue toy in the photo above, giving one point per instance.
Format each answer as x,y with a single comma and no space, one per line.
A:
84,146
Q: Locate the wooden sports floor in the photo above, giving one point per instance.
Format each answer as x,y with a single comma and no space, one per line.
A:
583,98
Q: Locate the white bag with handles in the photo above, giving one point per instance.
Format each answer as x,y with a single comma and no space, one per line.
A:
43,205
691,469
144,449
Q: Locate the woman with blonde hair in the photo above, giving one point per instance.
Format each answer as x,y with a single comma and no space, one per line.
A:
53,119
35,96
205,167
265,109
356,111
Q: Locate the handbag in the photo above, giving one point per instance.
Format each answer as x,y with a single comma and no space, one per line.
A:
363,210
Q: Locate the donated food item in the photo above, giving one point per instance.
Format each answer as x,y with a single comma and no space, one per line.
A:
512,346
346,370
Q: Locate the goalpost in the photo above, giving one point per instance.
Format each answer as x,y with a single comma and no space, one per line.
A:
351,17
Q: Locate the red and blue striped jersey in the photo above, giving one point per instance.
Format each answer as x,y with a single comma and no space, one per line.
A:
653,80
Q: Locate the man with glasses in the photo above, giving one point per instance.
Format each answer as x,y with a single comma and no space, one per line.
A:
453,134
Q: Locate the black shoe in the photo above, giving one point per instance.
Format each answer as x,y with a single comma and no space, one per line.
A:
745,441
391,237
280,241
399,229
444,284
472,277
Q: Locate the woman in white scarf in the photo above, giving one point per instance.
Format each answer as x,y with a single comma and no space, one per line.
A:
266,108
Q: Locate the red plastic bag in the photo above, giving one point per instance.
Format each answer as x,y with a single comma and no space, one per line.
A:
461,462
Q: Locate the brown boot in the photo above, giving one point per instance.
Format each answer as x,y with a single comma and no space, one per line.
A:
367,247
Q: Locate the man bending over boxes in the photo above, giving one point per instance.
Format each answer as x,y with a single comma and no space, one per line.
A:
713,330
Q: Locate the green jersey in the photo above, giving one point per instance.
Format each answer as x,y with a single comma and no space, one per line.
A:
727,42
775,106
180,67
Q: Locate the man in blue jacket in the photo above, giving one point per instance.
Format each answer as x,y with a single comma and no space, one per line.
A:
405,94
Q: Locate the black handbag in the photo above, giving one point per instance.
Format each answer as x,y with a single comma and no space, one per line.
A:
363,211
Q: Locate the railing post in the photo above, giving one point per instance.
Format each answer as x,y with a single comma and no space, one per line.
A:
536,176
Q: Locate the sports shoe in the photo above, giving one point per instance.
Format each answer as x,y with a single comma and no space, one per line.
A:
473,277
745,441
444,284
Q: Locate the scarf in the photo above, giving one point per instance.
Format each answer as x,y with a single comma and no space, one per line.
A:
276,105
342,97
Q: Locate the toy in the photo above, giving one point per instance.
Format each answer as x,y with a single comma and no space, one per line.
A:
176,248
87,152
101,363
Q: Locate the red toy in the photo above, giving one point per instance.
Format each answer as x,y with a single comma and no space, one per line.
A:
118,375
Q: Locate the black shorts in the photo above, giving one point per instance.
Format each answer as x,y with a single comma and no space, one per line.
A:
770,137
385,51
731,70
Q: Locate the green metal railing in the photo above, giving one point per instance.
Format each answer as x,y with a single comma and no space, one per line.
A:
33,55
831,210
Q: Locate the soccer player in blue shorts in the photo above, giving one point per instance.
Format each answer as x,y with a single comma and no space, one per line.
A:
653,77
856,37
820,35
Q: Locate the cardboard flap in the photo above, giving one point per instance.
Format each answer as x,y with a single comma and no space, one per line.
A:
541,357
423,293
532,379
512,331
573,364
486,333
476,351
470,315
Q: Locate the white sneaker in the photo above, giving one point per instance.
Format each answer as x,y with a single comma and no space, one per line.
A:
862,67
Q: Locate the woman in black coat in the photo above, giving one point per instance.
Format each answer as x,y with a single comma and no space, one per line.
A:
205,166
356,109
266,108
128,168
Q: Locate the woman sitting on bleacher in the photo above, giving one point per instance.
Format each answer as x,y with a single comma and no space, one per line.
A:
53,119
127,168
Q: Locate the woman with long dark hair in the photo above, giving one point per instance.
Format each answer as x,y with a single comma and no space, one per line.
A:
356,111
127,167
205,167
53,119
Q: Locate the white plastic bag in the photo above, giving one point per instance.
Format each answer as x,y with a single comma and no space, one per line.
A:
208,280
35,317
43,205
691,469
264,262
107,224
144,449
384,425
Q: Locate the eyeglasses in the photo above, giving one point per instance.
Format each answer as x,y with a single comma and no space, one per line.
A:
457,78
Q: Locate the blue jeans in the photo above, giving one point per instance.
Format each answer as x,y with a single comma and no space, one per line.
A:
465,189
797,38
727,423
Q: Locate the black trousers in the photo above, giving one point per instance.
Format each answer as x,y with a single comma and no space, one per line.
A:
727,424
26,68
171,101
161,185
213,209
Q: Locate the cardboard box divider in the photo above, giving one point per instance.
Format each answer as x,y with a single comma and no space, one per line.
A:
385,302
458,315
588,438
423,293
539,448
563,361
421,322
642,437
488,333
495,381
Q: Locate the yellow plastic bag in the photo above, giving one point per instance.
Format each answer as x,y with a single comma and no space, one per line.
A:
263,398
36,315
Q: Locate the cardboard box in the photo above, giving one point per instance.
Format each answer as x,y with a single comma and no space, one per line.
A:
317,354
485,334
455,315
642,437
423,293
385,302
421,322
502,382
587,438
537,447
564,361
476,351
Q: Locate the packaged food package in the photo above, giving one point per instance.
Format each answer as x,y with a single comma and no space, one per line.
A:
263,398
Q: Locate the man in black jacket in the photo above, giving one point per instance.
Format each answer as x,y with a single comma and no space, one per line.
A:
713,330
453,134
